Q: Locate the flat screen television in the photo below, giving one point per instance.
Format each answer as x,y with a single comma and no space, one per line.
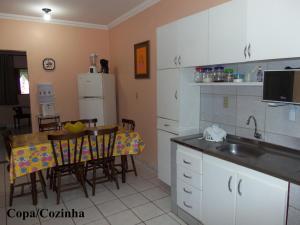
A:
282,86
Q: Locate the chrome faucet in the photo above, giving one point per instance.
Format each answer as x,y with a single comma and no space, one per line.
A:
256,134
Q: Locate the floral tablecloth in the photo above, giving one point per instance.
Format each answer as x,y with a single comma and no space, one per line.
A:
33,152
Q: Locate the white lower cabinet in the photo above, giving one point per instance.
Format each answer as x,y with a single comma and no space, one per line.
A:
235,195
189,181
219,192
164,155
189,199
261,200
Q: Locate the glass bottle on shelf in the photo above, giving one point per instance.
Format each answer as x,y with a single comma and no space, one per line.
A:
259,75
219,74
207,76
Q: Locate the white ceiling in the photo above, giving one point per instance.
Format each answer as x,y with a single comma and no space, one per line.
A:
102,12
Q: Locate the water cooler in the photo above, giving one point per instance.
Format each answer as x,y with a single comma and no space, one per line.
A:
46,99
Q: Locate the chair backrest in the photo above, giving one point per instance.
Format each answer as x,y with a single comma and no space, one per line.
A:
18,110
43,120
49,126
87,122
128,124
67,148
102,143
7,141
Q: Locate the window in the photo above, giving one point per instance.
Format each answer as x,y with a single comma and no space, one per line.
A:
24,82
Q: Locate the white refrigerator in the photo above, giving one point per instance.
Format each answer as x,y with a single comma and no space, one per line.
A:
97,98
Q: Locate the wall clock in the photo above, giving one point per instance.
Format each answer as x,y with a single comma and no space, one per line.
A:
49,64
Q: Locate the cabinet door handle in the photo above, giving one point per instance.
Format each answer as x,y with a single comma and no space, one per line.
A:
179,60
186,162
245,52
175,95
249,50
166,125
186,205
186,191
175,60
239,187
186,176
229,184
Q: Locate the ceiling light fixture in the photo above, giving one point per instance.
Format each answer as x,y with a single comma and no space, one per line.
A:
47,15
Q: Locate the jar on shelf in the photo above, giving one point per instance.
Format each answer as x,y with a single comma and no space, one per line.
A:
219,74
228,75
238,77
198,75
207,75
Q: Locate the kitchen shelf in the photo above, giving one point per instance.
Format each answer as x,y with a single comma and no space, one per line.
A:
228,84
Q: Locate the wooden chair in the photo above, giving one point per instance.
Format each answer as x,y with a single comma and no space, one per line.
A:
67,162
102,156
43,127
49,126
130,126
7,140
87,122
19,115
48,123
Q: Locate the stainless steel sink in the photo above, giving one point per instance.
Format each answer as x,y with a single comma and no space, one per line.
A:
240,150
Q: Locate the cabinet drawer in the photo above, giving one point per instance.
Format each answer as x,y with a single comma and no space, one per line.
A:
167,125
189,199
189,177
189,158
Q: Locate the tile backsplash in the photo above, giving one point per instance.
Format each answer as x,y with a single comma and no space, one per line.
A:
231,106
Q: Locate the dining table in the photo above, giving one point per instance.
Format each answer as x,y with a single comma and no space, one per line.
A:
33,152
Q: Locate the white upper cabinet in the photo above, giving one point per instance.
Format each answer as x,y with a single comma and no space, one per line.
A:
227,33
193,40
168,84
167,46
273,29
183,43
236,31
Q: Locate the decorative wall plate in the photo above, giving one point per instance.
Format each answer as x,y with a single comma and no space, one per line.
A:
49,64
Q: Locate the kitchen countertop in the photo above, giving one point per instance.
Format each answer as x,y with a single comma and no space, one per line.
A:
275,160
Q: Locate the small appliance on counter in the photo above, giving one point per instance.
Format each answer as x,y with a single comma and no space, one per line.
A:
104,66
93,61
214,134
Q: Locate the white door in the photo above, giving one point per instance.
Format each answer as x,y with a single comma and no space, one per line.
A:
91,108
227,32
90,85
273,29
167,46
193,40
164,155
168,94
219,192
261,199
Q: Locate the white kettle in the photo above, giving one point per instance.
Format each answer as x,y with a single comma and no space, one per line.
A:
214,134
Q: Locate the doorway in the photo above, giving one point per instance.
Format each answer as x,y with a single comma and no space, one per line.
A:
14,92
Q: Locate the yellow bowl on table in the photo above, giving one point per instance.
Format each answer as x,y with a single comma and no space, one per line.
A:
75,128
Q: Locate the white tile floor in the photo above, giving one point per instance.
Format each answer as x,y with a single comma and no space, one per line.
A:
141,200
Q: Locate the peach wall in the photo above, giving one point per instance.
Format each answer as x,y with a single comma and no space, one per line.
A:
140,28
69,46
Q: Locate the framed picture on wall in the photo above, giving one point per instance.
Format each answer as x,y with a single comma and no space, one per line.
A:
142,60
